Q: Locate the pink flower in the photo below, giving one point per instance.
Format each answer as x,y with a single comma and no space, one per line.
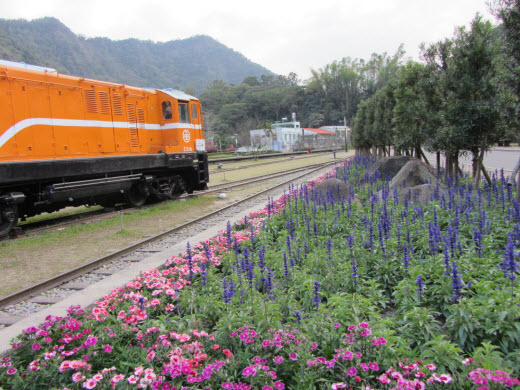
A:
384,379
249,371
11,371
132,379
336,326
227,385
117,378
340,385
293,356
267,388
107,349
430,367
352,371
313,346
363,325
373,366
445,378
36,346
278,359
89,384
279,385
266,343
77,377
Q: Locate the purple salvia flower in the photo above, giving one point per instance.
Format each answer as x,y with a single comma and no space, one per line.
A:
420,286
329,250
510,264
190,261
456,282
228,233
316,292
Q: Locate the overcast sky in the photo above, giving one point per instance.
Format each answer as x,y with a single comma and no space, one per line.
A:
281,35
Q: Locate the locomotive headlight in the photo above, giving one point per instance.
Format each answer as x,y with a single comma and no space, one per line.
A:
200,145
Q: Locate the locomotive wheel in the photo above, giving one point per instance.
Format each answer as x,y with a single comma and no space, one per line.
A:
176,187
137,194
8,220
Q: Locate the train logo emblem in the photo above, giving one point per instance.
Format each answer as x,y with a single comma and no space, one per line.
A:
186,136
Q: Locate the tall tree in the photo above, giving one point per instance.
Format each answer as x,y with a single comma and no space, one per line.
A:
411,111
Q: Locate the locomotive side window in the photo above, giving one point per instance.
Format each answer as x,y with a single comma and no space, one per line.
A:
183,113
167,109
194,115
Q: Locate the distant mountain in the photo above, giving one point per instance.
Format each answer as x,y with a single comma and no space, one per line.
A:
190,63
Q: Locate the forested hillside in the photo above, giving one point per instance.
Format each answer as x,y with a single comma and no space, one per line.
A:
190,64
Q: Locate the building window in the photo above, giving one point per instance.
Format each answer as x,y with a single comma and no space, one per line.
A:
167,109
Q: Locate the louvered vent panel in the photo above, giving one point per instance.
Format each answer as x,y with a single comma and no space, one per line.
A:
117,104
132,124
130,110
91,101
104,103
140,118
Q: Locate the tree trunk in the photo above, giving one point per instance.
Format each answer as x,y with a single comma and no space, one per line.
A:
480,158
424,156
449,166
438,163
486,174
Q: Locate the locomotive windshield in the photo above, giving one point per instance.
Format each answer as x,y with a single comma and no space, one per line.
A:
183,113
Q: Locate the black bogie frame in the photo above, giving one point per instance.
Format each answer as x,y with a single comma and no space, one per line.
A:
29,188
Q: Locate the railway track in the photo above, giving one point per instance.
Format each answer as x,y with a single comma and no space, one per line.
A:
60,222
297,157
38,293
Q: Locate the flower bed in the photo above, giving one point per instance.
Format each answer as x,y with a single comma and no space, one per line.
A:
308,293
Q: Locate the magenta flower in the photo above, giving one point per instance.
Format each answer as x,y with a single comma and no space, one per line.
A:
11,371
249,371
293,356
336,326
313,346
352,371
278,359
267,388
279,385
36,346
107,349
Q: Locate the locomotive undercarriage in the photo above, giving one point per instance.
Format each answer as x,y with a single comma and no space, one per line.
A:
152,178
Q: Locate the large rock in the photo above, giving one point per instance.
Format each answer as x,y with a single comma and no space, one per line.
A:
389,167
333,187
419,194
414,173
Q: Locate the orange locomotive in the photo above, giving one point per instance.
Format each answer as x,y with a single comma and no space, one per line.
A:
67,141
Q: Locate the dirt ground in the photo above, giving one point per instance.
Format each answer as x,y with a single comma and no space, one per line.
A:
29,260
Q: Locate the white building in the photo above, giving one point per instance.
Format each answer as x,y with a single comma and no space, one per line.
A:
286,136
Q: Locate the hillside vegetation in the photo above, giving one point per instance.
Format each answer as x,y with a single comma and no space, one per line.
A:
189,64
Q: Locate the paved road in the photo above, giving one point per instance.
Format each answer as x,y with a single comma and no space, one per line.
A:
498,158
